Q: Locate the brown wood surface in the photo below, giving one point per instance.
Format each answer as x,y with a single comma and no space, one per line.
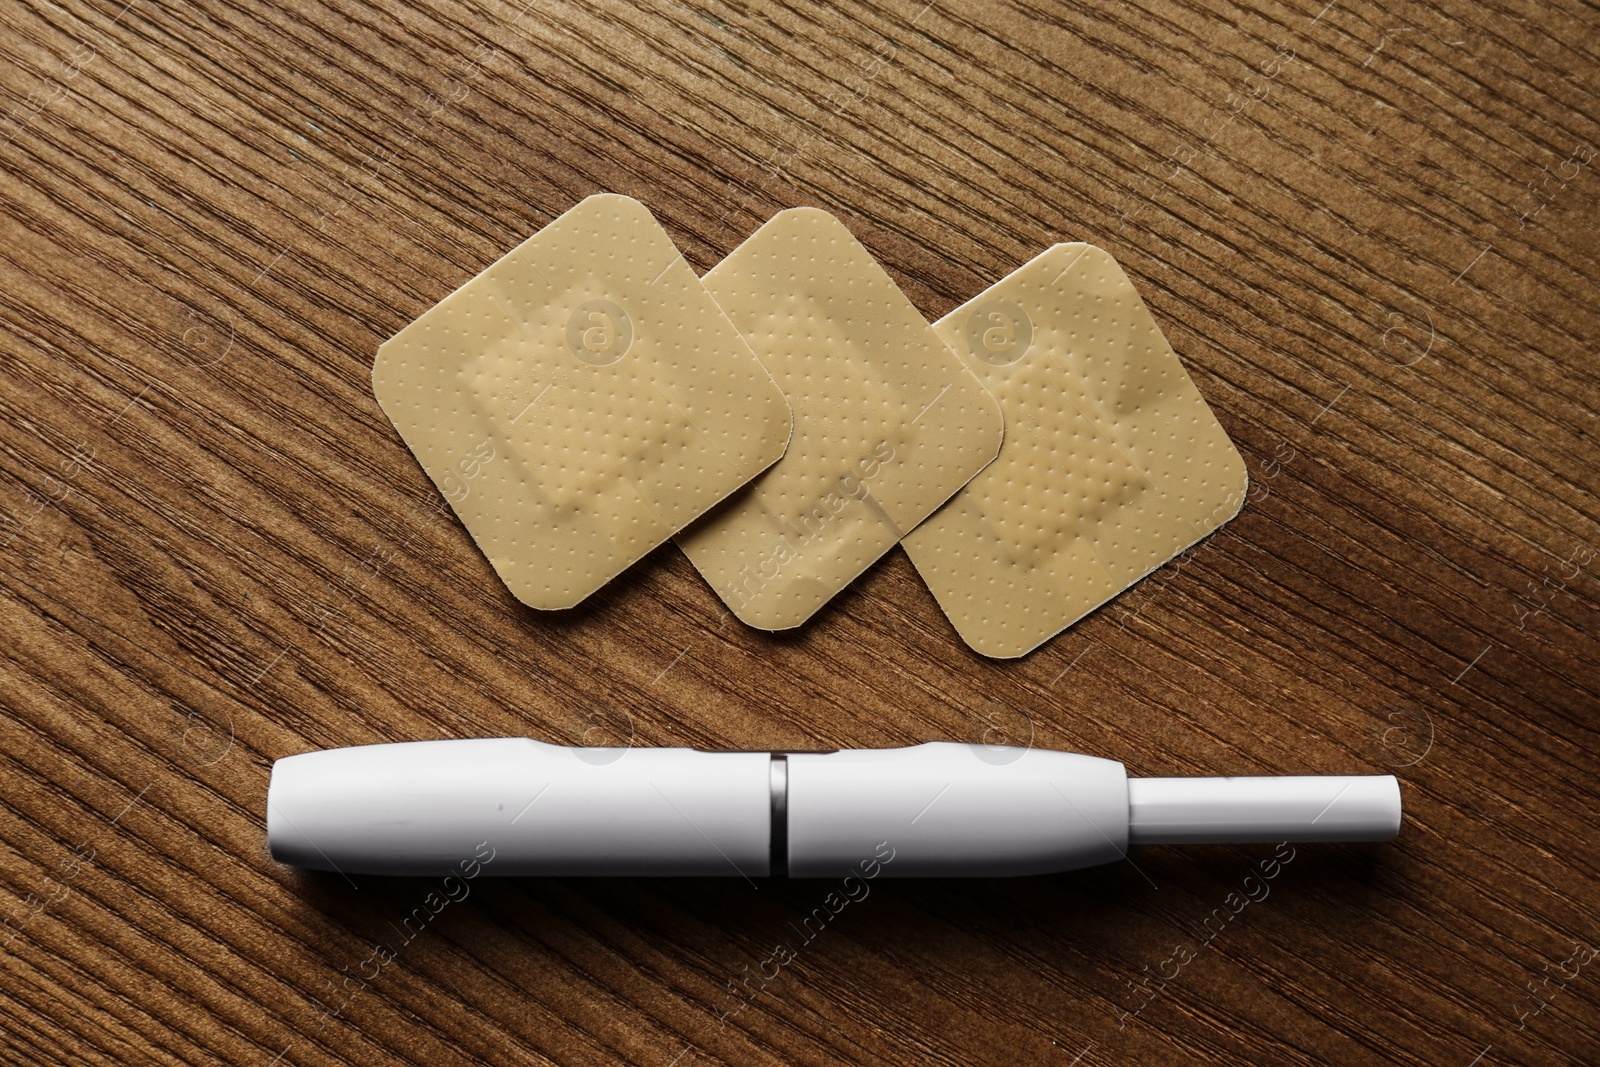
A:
1368,228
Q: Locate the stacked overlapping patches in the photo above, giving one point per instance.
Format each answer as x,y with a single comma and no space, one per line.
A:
791,417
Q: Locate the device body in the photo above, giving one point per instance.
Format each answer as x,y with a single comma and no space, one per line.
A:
938,809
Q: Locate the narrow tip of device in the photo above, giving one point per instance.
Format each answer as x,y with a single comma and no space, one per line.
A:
1221,811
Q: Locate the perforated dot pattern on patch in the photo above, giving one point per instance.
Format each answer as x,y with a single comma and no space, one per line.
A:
1112,462
580,401
888,422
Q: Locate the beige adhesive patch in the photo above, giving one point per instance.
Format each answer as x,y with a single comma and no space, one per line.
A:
581,401
888,422
1112,464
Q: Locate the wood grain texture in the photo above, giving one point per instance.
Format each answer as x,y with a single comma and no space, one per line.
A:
1369,229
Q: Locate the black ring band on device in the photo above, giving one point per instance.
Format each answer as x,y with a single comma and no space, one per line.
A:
778,864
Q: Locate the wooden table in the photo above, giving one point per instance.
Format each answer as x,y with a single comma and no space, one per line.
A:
1368,229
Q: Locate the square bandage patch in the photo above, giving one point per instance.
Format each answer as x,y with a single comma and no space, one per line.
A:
1112,463
888,421
580,401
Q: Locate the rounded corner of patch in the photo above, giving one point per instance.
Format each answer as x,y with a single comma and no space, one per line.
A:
624,206
782,417
771,623
1237,476
1242,492
999,649
997,419
1088,250
542,599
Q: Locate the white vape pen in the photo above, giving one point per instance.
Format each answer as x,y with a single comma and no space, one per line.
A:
940,809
